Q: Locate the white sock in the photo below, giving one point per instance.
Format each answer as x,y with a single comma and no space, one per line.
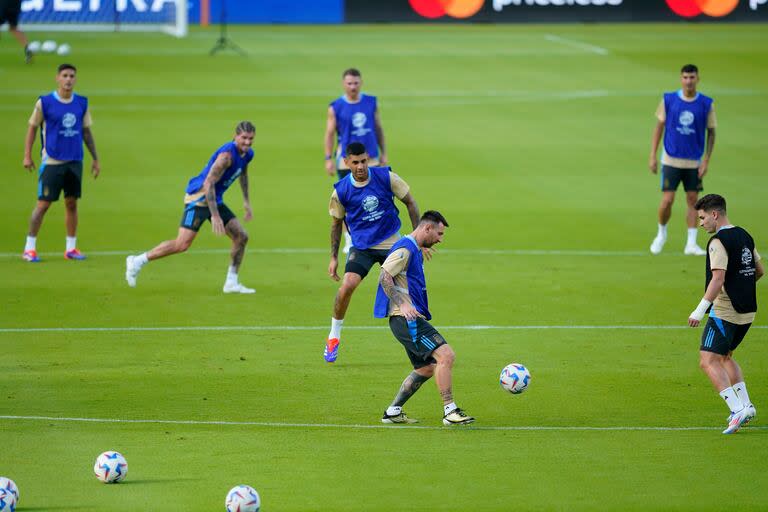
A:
662,231
692,236
732,399
394,410
741,391
231,274
71,242
141,260
31,243
449,408
335,328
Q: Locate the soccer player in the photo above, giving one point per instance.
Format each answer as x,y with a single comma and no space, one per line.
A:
364,200
353,117
402,296
733,268
683,117
66,125
204,200
9,12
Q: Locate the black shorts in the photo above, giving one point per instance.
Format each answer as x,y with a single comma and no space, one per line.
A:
418,337
194,216
9,12
57,177
722,337
360,261
672,176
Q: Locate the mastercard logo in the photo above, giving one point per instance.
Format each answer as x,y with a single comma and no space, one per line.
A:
438,8
691,8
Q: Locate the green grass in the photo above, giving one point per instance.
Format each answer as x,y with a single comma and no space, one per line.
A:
524,143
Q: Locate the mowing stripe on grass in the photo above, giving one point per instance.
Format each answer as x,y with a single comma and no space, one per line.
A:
357,426
313,250
599,50
6,330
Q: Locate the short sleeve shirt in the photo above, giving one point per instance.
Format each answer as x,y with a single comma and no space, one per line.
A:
718,260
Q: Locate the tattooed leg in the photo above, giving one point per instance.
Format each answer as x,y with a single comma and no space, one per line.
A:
410,385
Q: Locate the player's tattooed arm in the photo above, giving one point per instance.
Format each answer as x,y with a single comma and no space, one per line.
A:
336,228
388,285
413,209
214,175
246,199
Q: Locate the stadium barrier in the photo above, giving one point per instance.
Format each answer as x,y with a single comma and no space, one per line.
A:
549,11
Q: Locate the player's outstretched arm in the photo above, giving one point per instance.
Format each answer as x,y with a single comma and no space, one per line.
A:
91,145
223,161
330,133
29,140
246,201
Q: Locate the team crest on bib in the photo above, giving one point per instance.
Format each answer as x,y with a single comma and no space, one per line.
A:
359,119
746,256
686,118
69,120
370,203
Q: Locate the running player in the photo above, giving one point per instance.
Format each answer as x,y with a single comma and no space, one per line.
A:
364,200
204,200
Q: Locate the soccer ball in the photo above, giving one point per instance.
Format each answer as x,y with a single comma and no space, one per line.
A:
243,498
515,378
8,485
34,46
110,467
7,501
48,46
63,49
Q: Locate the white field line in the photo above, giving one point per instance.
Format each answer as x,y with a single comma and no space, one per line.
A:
314,250
278,328
599,50
353,426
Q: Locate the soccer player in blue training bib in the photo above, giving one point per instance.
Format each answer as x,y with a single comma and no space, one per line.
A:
730,296
402,296
365,201
353,117
204,200
66,124
686,119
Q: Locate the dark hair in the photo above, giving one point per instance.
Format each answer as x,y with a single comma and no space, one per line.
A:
245,127
356,148
351,72
689,68
434,217
711,202
62,67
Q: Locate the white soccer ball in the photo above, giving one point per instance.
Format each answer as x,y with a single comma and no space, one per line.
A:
243,498
34,46
8,501
515,378
48,46
6,484
111,467
63,49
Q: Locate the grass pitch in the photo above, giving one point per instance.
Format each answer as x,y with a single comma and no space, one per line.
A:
535,149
